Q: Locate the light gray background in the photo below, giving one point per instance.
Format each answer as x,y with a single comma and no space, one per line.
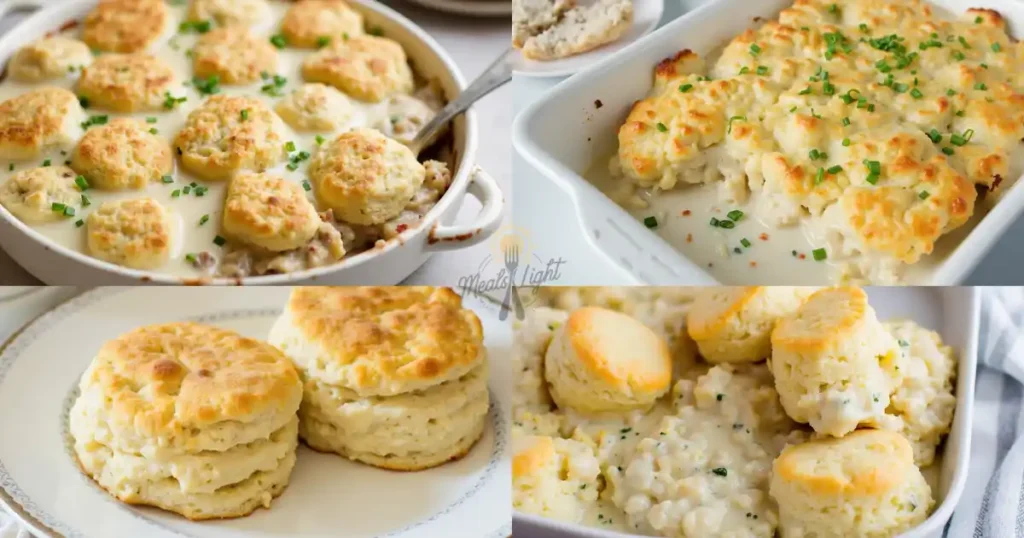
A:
555,232
473,43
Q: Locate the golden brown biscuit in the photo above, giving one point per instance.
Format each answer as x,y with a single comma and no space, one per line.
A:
365,177
38,120
135,233
309,23
227,134
269,212
316,107
233,55
380,341
49,58
126,82
366,67
124,25
229,12
122,155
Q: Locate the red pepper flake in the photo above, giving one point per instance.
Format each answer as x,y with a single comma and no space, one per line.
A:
401,228
686,212
689,238
802,256
753,264
710,264
763,237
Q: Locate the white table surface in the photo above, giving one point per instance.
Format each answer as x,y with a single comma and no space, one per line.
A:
555,233
473,43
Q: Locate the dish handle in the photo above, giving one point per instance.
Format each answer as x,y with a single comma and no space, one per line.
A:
7,6
484,188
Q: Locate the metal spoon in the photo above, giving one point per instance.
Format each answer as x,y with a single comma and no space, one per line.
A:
493,77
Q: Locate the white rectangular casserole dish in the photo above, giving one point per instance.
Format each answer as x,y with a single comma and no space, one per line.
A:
954,313
565,132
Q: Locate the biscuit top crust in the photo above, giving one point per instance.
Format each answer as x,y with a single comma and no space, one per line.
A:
827,316
711,311
389,340
619,349
166,379
863,463
124,25
32,120
534,452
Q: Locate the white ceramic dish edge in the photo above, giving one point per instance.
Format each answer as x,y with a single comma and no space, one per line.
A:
619,80
961,315
55,264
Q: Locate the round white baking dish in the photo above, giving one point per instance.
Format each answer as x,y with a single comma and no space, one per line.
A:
390,264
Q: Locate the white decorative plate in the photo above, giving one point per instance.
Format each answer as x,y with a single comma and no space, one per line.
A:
646,15
327,497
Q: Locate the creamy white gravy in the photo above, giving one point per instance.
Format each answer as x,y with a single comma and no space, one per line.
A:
186,210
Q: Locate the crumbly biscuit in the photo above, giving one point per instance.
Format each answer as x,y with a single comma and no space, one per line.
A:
835,365
601,360
134,233
124,25
405,432
126,82
532,17
180,388
864,484
233,55
219,140
379,341
39,120
365,177
555,478
49,58
269,212
229,12
581,29
366,67
316,107
32,195
122,155
308,22
922,407
735,324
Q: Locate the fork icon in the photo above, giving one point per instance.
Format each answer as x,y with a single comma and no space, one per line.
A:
511,296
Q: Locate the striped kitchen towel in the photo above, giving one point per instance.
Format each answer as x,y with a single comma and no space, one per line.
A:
992,505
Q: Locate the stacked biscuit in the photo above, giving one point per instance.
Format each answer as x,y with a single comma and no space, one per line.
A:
393,377
189,418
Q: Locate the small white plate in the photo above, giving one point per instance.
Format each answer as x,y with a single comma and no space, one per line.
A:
327,496
476,8
646,15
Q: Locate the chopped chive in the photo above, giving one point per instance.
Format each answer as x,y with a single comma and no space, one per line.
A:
833,8
661,127
191,258
935,136
57,207
744,70
864,28
996,47
827,88
835,169
819,254
754,50
204,219
176,193
948,151
79,223
219,241
319,140
735,215
792,109
962,140
10,167
805,91
819,176
306,186
278,41
167,179
245,114
980,86
289,146
151,120
916,93
900,87
846,122
924,195
958,56
882,66
762,70
82,183
84,102
963,42
154,131
86,202
714,221
846,142
685,88
734,118
727,224
46,162
69,211
950,92
322,42
720,471
745,242
170,101
977,20
960,113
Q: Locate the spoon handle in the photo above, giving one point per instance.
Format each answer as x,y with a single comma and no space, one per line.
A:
497,74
